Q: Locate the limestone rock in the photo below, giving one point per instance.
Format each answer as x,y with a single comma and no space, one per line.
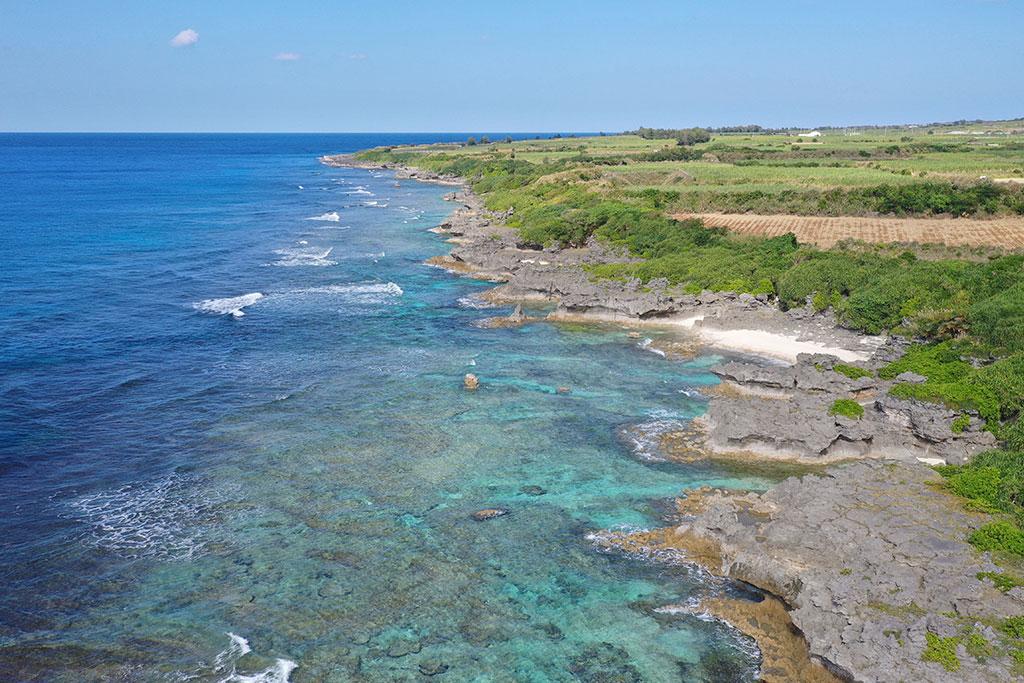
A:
489,513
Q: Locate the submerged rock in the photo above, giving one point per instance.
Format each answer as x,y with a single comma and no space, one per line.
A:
432,667
403,647
489,513
533,490
471,382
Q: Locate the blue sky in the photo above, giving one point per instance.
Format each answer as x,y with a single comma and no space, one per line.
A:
493,65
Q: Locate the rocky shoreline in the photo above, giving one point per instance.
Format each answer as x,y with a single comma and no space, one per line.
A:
868,558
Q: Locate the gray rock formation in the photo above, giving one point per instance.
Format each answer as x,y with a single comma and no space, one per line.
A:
783,411
869,558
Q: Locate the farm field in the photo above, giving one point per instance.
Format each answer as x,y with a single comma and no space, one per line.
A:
964,171
827,231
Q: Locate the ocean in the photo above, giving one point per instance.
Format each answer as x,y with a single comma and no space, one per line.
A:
235,445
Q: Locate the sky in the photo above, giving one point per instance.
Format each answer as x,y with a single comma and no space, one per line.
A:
492,65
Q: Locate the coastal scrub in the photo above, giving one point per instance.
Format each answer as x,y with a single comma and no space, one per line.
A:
846,407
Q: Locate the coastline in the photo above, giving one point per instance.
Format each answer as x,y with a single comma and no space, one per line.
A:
771,407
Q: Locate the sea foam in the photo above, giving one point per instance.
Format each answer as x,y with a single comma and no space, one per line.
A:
304,257
329,217
358,293
644,438
229,306
225,666
168,518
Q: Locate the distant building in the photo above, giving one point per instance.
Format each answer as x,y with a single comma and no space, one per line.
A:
812,134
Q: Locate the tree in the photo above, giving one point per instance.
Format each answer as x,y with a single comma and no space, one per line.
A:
692,136
471,141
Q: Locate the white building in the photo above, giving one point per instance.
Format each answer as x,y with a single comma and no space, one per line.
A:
812,134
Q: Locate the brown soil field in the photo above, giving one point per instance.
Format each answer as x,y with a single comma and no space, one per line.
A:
826,231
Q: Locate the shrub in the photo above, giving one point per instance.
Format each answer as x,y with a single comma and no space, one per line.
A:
941,650
999,319
846,407
851,371
993,480
980,485
1013,627
961,423
1000,536
978,646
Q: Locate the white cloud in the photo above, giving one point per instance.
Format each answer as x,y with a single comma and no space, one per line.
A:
357,56
287,56
185,38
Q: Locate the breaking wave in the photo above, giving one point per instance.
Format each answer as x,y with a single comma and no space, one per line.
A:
169,518
644,439
330,217
225,666
304,257
229,306
360,293
646,346
474,302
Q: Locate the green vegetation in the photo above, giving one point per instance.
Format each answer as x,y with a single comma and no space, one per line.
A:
978,646
993,482
851,371
960,423
942,650
1013,627
958,378
1001,536
1004,582
846,407
683,136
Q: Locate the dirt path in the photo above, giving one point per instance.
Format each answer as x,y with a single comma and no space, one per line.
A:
823,231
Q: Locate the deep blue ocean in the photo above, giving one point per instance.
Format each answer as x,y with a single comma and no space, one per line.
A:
235,446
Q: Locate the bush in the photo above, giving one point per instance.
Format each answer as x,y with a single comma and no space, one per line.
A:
999,319
941,650
846,407
851,371
1013,627
961,423
1000,536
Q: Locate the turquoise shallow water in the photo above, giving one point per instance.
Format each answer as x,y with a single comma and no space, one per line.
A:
302,475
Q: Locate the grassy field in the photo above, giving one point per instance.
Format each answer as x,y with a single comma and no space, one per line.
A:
846,172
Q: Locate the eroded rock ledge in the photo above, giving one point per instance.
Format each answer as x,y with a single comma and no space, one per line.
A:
869,558
783,412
